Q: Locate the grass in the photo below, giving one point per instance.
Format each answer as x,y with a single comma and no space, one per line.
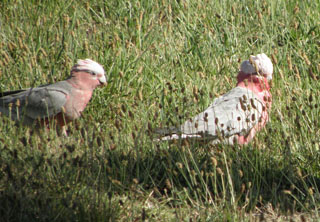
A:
166,61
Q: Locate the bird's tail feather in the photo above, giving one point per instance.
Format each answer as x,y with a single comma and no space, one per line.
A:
166,131
180,137
2,94
173,133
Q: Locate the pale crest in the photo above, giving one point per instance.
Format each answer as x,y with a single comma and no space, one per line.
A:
260,63
88,65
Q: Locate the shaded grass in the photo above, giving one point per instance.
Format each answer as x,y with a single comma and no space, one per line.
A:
166,61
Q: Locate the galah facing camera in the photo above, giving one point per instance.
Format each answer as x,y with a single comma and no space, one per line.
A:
236,116
61,101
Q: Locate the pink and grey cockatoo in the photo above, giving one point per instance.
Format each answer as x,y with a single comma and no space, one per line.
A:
61,101
236,116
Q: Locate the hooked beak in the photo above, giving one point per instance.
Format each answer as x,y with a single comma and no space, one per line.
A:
102,84
103,81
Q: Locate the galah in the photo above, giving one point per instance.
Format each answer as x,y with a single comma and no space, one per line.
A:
61,101
236,116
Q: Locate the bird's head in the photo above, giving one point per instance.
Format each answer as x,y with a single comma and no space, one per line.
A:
259,65
91,67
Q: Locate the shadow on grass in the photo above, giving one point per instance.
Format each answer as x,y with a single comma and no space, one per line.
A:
84,185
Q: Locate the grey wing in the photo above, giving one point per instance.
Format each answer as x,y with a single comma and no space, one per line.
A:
45,102
233,113
31,104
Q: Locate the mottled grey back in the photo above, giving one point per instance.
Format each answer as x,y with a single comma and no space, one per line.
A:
40,102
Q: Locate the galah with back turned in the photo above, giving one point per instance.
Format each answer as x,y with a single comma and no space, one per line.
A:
236,116
61,101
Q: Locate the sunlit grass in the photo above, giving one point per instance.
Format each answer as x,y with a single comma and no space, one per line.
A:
166,61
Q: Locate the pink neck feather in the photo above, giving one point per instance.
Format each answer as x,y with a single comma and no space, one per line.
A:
257,84
254,82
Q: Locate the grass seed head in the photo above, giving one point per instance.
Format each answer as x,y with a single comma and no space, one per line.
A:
219,171
66,21
168,184
185,142
165,92
179,165
214,161
240,173
140,95
288,192
310,191
298,171
86,45
116,182
306,59
252,104
18,103
244,98
296,71
135,181
259,15
112,146
243,188
267,106
201,74
130,114
117,124
21,45
311,74
12,46
233,9
6,57
296,25
289,62
87,6
140,70
195,90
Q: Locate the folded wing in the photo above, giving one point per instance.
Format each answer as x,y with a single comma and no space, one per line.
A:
34,103
231,115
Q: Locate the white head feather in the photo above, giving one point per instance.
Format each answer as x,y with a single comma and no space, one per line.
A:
258,64
89,65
